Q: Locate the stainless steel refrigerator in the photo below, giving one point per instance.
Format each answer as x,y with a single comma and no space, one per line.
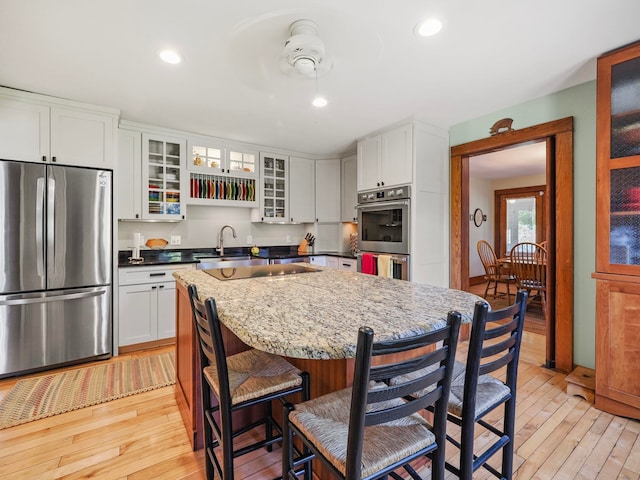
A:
55,265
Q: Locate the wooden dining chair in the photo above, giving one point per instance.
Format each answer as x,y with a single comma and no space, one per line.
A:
239,381
494,272
371,429
529,267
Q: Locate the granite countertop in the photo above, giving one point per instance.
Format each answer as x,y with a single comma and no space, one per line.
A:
193,255
317,315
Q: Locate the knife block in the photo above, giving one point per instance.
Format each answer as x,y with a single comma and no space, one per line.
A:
302,248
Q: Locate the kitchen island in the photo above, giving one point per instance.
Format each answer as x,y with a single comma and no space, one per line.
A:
311,318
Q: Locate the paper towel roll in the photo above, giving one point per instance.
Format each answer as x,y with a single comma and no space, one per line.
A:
136,245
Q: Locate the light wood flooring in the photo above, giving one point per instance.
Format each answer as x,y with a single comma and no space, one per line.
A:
142,437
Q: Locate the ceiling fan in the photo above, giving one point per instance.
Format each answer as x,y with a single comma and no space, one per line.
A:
304,52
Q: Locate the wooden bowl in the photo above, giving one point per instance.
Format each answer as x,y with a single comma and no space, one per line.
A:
156,243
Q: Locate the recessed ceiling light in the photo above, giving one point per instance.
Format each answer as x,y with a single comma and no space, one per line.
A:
170,56
319,102
429,27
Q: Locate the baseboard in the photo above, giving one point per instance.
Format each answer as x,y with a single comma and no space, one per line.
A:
477,280
146,345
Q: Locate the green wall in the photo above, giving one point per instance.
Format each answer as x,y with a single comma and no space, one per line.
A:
580,103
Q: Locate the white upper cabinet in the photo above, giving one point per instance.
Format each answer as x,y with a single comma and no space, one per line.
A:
129,198
302,199
386,160
328,206
24,131
349,198
81,138
163,161
369,155
221,174
274,195
34,130
396,165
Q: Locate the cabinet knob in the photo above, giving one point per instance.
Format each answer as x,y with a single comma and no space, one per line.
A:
378,184
53,159
137,215
44,158
382,183
291,219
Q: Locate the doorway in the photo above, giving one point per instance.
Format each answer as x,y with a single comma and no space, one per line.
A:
558,138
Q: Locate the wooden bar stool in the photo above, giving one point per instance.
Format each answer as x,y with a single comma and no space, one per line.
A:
495,343
372,428
239,381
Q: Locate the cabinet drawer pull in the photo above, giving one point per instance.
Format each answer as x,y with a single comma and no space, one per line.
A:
158,274
153,287
160,286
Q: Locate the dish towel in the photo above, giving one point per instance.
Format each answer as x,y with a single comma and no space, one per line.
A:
385,266
368,263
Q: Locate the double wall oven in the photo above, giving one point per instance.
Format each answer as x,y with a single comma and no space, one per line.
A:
383,226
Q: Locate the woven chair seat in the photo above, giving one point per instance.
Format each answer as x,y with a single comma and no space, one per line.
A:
254,374
490,392
325,421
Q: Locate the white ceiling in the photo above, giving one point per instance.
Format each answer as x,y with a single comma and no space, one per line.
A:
518,161
489,55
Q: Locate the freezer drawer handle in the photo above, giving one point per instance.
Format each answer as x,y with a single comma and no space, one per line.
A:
54,298
158,274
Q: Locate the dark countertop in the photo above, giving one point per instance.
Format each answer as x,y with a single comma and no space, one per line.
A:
193,255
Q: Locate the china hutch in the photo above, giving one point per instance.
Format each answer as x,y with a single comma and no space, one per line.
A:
618,233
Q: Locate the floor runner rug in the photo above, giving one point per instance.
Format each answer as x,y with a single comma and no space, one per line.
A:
40,397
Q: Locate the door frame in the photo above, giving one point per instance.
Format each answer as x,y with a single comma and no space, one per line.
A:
558,135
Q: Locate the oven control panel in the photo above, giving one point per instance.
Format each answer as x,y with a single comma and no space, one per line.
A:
385,194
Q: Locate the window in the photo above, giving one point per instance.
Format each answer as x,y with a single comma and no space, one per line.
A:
520,215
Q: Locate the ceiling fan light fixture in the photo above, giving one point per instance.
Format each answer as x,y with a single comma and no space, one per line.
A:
305,66
428,27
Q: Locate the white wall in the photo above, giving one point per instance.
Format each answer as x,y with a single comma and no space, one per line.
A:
203,223
480,196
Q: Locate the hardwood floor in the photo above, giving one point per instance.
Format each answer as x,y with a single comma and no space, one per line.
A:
142,437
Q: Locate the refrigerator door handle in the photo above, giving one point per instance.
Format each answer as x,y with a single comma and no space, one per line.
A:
40,245
51,298
51,223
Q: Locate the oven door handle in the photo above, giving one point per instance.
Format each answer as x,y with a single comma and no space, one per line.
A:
379,205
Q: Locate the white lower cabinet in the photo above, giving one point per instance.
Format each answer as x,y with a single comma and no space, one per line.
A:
340,263
146,303
318,260
348,264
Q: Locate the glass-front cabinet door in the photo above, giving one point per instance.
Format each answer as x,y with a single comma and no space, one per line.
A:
274,203
618,151
162,165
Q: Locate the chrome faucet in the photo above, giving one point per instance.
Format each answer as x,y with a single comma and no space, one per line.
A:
220,246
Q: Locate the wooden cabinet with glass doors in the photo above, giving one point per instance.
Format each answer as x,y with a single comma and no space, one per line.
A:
618,233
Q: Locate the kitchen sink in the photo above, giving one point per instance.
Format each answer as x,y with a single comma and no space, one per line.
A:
223,272
230,262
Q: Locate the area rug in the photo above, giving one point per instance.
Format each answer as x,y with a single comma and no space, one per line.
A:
45,396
